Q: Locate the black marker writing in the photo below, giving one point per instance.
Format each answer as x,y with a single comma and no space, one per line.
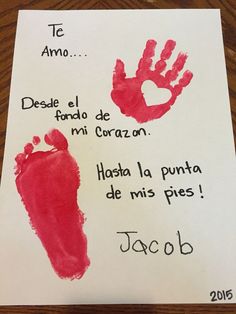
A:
56,31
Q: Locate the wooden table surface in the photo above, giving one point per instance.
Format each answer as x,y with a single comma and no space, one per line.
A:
8,18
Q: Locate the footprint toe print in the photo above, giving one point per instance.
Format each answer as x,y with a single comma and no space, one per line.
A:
47,182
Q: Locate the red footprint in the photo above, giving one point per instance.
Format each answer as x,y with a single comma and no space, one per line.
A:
47,183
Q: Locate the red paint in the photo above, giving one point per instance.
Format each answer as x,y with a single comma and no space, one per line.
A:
28,149
47,183
127,93
36,140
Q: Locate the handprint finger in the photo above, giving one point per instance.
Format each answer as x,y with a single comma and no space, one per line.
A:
119,72
178,65
146,60
184,81
186,78
165,54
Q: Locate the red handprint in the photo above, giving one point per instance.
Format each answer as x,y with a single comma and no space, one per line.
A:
127,93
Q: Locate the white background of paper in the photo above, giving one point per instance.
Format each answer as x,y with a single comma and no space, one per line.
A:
197,129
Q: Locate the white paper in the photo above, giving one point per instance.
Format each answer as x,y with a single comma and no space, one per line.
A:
197,130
